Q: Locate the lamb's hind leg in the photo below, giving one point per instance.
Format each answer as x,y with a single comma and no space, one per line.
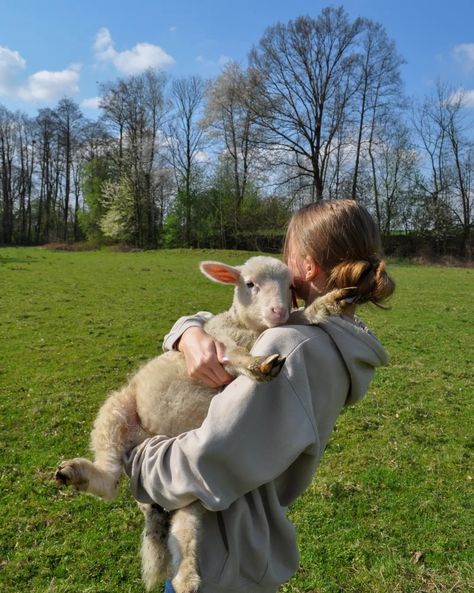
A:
182,542
113,432
154,551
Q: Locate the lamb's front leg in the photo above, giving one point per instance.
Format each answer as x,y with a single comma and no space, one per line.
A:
258,368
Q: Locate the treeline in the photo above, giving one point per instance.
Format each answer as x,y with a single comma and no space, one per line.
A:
318,112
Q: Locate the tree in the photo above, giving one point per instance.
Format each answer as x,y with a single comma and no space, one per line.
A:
135,106
50,171
393,176
379,91
95,173
229,118
8,147
69,120
118,221
304,76
441,125
24,176
185,146
462,162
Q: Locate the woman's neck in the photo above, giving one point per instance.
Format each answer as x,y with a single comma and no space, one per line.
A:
315,289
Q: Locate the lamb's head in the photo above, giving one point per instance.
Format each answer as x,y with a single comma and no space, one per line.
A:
262,296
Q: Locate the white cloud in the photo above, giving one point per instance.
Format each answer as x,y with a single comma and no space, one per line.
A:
211,64
223,60
47,85
104,45
465,97
10,63
91,103
173,29
469,98
202,156
130,61
464,53
141,57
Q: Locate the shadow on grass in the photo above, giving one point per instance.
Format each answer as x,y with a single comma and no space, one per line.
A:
17,260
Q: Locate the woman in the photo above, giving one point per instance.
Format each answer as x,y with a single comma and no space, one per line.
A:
259,446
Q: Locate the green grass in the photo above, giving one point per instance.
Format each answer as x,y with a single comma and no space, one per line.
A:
396,478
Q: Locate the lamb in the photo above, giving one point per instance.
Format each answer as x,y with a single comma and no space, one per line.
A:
161,399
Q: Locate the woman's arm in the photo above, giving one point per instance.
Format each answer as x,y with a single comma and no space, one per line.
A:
171,340
204,357
203,354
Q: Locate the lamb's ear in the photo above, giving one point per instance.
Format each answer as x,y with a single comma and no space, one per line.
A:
220,272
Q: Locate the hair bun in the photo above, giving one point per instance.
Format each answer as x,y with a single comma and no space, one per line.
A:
369,275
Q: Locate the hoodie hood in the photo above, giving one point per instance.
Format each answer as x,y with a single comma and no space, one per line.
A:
361,351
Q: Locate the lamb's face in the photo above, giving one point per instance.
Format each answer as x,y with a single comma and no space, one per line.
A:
264,291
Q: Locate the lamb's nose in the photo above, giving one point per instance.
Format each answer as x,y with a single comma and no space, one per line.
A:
279,312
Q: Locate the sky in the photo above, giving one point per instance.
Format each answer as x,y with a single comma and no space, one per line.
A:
56,48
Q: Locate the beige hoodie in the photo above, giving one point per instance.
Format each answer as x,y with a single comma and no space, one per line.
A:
257,451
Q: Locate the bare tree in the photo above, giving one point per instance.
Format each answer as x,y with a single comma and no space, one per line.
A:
69,120
379,91
113,104
304,73
434,184
185,143
396,167
461,151
442,128
96,140
230,119
8,147
24,184
49,171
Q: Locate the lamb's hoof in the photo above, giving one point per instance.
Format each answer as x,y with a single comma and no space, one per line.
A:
190,584
266,368
272,365
69,473
348,294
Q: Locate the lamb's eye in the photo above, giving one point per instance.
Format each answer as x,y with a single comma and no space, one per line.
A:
250,284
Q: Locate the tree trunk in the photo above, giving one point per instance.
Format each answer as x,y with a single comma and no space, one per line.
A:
67,186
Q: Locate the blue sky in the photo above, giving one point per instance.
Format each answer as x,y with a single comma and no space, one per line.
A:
49,49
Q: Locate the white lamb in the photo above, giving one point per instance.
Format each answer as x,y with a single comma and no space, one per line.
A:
162,399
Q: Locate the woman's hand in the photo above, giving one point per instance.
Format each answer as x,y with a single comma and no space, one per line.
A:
204,357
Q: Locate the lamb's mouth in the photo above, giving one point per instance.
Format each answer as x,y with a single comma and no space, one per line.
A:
275,322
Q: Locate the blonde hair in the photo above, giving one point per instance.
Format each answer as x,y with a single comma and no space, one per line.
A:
342,237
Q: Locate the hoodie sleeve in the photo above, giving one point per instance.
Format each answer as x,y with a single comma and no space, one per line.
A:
184,323
251,435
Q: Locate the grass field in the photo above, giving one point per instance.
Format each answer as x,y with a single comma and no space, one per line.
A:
390,509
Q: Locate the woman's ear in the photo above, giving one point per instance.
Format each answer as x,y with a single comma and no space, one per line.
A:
311,269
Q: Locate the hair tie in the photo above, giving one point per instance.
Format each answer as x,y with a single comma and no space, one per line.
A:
372,265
